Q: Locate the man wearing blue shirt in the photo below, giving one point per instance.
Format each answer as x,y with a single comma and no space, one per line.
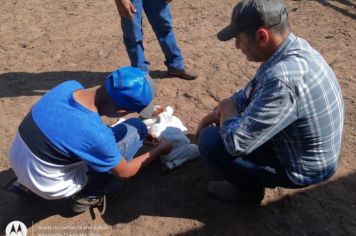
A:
285,127
63,148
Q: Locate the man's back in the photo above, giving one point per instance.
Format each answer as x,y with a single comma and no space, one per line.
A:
58,139
73,128
309,147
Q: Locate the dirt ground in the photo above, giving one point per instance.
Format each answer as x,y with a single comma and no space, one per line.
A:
45,42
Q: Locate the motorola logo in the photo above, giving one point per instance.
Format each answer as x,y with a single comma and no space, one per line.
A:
16,228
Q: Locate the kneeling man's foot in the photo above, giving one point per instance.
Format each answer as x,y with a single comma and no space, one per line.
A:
80,203
225,191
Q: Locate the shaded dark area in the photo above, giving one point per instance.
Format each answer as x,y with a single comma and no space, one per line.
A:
29,212
347,2
15,84
328,3
321,210
21,83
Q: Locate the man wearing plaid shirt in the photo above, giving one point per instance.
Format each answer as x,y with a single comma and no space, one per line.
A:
285,127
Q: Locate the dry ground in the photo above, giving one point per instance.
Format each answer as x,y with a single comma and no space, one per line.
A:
44,42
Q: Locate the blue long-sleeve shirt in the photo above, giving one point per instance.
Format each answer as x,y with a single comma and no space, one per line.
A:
295,103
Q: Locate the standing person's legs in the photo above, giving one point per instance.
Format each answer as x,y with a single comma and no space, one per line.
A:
133,36
159,15
250,173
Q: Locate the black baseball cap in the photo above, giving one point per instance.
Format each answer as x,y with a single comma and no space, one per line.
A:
250,15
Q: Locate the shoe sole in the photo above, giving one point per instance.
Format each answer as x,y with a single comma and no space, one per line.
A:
82,207
182,76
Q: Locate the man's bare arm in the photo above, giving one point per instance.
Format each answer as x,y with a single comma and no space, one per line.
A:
126,169
126,8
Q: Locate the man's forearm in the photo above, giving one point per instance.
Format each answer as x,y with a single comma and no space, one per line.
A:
126,169
227,109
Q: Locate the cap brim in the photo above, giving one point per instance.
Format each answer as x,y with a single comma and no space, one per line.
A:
227,33
148,110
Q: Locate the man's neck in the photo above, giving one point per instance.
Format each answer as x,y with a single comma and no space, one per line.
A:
275,43
86,97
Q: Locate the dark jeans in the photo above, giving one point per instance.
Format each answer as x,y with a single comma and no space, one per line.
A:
129,135
250,173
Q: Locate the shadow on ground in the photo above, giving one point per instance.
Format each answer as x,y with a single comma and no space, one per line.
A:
323,210
14,207
326,209
15,84
332,5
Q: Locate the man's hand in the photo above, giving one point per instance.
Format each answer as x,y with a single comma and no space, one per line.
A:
126,8
227,109
126,169
211,118
151,140
164,147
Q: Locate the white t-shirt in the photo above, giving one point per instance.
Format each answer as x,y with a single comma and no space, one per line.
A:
47,180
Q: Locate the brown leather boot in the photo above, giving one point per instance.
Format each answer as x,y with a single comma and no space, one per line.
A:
182,73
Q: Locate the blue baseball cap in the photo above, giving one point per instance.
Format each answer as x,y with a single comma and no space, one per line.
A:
131,89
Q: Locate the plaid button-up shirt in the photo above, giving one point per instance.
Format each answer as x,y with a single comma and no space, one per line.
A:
294,103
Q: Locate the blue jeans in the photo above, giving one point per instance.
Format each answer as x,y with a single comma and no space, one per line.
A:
250,173
129,136
159,15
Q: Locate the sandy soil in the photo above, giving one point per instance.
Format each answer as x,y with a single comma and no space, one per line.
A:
43,43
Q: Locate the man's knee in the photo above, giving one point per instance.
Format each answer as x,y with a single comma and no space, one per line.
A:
210,142
132,31
209,137
162,29
139,125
